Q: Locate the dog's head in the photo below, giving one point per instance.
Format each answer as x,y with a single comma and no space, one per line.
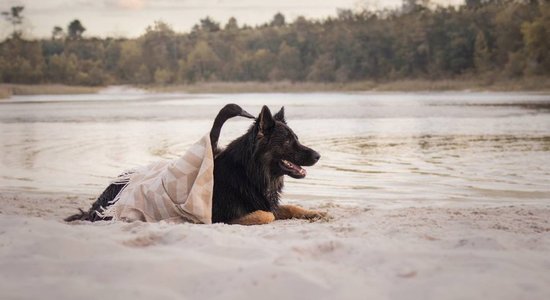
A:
278,147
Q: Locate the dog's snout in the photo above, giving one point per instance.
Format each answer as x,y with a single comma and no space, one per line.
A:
315,155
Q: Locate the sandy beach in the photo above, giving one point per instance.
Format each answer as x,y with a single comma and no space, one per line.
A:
362,252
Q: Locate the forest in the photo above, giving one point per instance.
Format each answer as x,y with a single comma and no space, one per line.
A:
480,39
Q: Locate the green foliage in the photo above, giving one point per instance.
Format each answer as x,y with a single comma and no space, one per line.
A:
322,69
75,30
207,25
57,33
159,47
489,38
232,24
289,63
15,17
515,65
536,37
143,75
163,76
278,20
202,62
482,54
130,65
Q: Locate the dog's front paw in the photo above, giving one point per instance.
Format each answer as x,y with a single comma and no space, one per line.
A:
314,215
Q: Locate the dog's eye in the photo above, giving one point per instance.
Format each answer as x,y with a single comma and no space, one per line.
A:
287,142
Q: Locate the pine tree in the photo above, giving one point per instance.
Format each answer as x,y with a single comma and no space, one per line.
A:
482,53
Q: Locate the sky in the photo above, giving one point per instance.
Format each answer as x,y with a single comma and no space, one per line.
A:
129,18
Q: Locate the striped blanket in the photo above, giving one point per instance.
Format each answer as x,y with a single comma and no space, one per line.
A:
175,191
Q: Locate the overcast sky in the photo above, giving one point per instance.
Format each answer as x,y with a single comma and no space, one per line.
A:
129,18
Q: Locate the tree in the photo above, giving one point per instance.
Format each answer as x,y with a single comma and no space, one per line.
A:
258,65
112,55
345,14
232,24
482,54
15,17
159,47
507,29
473,3
323,69
515,65
412,6
130,65
207,25
163,76
497,37
57,33
278,20
58,69
75,30
289,64
143,75
202,62
536,37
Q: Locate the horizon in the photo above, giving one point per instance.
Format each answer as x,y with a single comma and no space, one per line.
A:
130,18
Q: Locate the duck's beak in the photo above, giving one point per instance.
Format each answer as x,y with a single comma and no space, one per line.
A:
245,114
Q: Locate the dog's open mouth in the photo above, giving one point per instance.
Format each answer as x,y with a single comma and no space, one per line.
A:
292,169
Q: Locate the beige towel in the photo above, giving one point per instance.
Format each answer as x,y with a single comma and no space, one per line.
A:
175,191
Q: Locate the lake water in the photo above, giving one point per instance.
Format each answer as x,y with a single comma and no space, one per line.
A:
382,148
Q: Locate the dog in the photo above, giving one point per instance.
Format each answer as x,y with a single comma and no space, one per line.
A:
248,173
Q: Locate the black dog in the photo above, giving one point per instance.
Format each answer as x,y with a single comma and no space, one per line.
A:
248,174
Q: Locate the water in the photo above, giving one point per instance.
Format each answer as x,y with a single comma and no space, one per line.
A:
383,148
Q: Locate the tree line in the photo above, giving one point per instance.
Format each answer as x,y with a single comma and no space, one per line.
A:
494,38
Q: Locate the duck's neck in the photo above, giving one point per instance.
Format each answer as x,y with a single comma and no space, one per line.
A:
216,130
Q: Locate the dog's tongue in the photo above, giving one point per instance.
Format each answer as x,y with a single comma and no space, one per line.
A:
296,168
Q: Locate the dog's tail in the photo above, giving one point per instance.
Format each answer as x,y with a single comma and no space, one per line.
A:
227,112
102,202
81,216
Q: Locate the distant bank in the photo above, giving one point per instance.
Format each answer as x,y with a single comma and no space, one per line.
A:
535,84
8,90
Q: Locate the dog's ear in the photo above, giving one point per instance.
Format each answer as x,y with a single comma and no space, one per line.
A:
280,116
265,121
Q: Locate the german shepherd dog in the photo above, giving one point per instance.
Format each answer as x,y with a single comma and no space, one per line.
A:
248,173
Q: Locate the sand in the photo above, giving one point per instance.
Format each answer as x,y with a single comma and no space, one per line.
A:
363,252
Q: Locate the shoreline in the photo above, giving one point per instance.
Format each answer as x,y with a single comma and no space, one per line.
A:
523,85
535,84
7,90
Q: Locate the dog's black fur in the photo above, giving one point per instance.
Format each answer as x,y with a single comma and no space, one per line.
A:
248,173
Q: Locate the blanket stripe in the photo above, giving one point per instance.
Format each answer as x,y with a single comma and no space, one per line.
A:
177,191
